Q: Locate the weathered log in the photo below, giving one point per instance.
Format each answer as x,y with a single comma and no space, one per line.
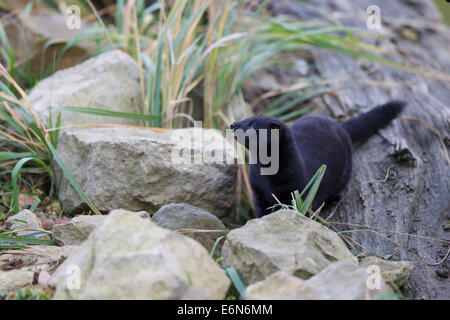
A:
398,201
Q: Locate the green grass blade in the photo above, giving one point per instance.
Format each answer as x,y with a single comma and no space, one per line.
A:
294,114
12,246
109,113
156,106
13,123
6,155
15,176
71,179
300,99
211,254
5,240
315,187
237,282
119,15
35,203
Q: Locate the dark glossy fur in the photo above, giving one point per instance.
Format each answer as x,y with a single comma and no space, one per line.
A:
310,142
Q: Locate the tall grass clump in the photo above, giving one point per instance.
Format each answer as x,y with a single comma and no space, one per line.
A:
29,147
215,46
301,201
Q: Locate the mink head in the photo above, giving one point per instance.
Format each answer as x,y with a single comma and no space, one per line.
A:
251,129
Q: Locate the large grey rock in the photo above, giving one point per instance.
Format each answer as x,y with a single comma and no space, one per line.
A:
278,286
137,170
284,240
53,26
18,267
29,33
26,219
342,280
397,272
128,257
193,222
109,81
76,230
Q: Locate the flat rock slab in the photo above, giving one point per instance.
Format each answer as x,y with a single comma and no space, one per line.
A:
128,257
341,280
138,169
284,240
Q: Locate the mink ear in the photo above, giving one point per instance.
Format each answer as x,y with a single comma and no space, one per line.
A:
274,125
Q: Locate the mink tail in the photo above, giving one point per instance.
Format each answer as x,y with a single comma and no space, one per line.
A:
367,124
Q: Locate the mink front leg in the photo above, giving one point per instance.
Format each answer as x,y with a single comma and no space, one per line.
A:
260,202
258,210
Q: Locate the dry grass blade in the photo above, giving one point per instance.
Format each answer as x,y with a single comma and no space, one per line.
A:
447,242
376,231
24,96
9,98
108,34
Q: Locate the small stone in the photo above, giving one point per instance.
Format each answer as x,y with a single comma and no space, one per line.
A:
395,271
181,216
442,273
446,225
301,66
31,222
410,34
143,214
43,277
47,225
75,231
55,207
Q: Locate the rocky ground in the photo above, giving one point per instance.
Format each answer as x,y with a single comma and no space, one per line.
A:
164,237
132,255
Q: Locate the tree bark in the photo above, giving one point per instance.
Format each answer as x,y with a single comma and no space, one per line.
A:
398,201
